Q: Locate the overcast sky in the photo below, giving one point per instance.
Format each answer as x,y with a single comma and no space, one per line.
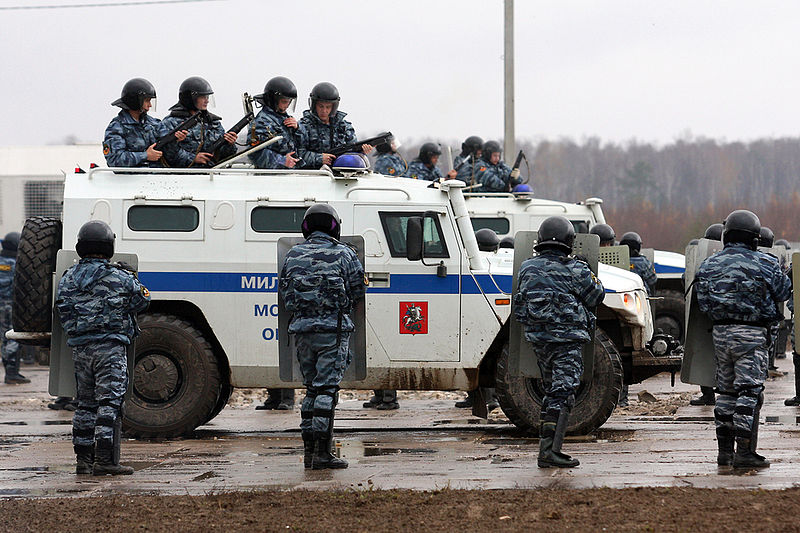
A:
650,70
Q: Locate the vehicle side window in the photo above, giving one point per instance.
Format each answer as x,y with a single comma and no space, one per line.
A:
394,226
265,219
500,225
581,226
163,218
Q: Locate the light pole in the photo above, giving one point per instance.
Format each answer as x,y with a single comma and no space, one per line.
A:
509,146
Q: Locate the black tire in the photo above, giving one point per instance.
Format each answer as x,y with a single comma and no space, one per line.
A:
39,243
670,313
176,379
521,398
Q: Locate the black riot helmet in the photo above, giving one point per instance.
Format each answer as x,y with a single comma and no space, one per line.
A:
324,218
489,148
427,151
784,243
605,232
507,242
471,145
190,89
324,92
714,232
275,89
95,238
134,93
555,232
488,241
742,226
766,237
633,242
10,244
386,147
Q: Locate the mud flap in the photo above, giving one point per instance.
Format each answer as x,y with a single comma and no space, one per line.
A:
699,366
287,360
62,371
522,359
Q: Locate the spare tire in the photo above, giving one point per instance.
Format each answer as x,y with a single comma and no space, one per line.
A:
39,243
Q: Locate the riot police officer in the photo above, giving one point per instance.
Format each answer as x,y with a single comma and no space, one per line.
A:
389,161
605,232
492,173
464,163
278,101
424,166
640,264
97,302
739,289
766,239
323,127
553,304
320,281
9,349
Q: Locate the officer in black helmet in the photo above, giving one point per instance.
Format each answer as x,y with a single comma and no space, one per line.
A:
640,264
131,136
464,163
557,332
9,349
507,242
195,96
605,232
784,243
424,166
323,127
278,102
492,173
389,161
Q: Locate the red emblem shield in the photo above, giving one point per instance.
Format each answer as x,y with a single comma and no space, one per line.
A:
413,318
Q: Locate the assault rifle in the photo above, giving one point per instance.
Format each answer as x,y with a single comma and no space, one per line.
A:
356,146
518,161
185,125
235,129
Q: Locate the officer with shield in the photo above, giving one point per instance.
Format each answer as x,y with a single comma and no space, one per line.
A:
553,304
739,289
605,232
640,265
97,302
320,281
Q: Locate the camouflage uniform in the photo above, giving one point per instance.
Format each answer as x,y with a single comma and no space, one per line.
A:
8,348
419,171
319,282
180,154
126,140
556,293
315,138
739,289
464,172
390,165
97,303
641,266
268,123
494,178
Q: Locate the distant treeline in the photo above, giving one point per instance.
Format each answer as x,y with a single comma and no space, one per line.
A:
670,194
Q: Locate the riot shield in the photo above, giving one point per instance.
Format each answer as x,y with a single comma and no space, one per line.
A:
699,365
795,295
287,360
650,254
522,358
62,371
616,256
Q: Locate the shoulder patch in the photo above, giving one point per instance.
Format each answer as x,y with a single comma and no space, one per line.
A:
145,292
5,268
392,170
106,149
481,169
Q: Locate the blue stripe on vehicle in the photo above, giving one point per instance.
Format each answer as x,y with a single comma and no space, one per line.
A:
666,269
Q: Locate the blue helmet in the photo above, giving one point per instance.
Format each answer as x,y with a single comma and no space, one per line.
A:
351,161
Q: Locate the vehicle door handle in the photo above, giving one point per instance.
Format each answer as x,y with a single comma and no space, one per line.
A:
379,280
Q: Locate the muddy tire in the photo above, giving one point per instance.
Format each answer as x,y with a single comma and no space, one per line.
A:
521,398
176,379
669,313
39,243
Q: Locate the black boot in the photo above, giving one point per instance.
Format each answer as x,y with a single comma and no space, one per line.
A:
491,399
84,456
466,402
794,402
286,400
272,401
104,463
725,445
706,397
308,449
388,400
375,401
551,437
323,458
13,377
746,456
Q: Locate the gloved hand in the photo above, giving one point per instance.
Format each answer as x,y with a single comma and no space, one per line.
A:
514,173
125,266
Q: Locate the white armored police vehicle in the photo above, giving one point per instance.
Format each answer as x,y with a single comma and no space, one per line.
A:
207,242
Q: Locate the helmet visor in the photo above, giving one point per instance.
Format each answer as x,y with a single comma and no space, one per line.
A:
152,104
281,105
200,99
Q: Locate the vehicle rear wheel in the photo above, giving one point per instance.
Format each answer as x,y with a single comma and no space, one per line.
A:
39,243
669,313
176,379
521,398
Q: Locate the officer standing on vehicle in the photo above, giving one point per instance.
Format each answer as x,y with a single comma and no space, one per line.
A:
492,173
278,100
131,136
194,96
640,265
97,302
324,127
389,161
605,232
739,289
320,281
424,166
553,304
10,349
464,163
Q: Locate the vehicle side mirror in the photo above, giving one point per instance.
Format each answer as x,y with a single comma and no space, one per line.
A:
414,238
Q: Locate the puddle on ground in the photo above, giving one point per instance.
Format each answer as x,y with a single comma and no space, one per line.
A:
16,423
139,465
27,469
694,418
467,421
57,422
783,419
205,475
356,449
601,435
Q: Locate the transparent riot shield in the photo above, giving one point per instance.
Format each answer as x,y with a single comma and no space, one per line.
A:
62,371
287,359
699,366
616,256
522,358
